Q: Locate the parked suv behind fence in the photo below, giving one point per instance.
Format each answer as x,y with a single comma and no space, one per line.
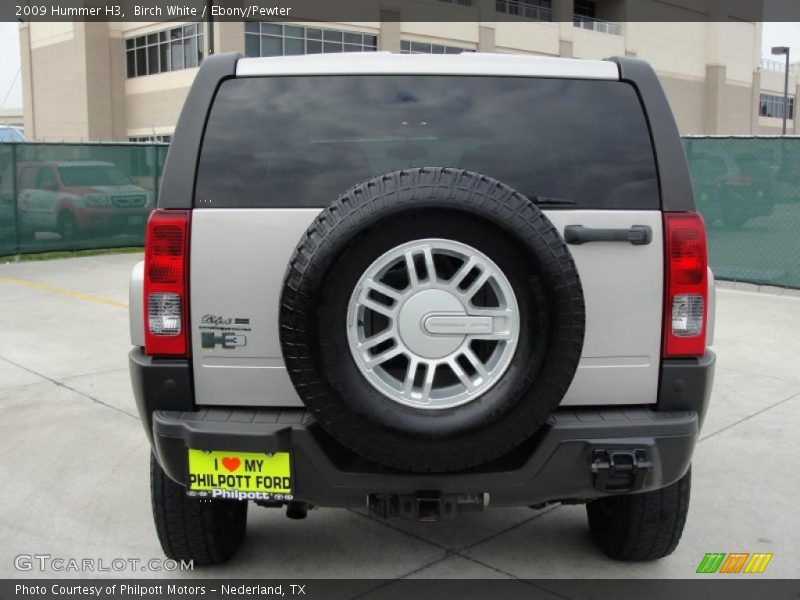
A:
75,199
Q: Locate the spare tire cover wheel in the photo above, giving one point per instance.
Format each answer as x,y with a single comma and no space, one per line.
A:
431,319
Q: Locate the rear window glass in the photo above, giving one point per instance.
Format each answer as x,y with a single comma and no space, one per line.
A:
302,141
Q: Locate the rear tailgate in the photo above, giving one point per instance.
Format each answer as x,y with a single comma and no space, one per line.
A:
278,149
236,281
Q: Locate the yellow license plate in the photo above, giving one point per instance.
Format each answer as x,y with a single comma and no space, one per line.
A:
241,475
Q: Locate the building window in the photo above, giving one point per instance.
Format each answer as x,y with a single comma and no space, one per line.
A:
273,39
149,139
772,106
586,8
459,2
407,47
168,50
538,10
585,17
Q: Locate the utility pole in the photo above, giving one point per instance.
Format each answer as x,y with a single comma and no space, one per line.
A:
210,21
778,51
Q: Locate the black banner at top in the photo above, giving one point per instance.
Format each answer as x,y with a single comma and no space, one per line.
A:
522,11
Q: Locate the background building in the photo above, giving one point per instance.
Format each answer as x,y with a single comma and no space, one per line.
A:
127,81
11,116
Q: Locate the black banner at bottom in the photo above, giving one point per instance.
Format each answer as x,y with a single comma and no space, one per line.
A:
723,588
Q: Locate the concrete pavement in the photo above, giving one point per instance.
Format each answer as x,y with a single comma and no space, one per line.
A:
74,457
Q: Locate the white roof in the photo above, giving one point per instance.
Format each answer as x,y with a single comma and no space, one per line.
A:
467,63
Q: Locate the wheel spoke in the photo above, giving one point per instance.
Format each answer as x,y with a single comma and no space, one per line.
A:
374,361
371,304
411,374
413,278
463,271
376,339
427,251
476,284
383,289
428,384
462,375
475,362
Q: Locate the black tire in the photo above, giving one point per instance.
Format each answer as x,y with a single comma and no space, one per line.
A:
640,527
208,532
67,227
379,215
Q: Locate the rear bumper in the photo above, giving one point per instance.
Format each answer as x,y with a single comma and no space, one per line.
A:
555,465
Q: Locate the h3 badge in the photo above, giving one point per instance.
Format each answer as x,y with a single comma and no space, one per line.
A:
228,340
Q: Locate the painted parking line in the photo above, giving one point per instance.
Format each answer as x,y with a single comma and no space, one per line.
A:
61,291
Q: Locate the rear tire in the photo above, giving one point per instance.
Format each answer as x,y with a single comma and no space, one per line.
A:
67,227
641,527
205,531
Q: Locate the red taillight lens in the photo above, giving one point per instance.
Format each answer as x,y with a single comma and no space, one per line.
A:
166,280
686,299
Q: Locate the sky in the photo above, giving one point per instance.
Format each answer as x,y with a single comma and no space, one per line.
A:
781,34
9,66
775,34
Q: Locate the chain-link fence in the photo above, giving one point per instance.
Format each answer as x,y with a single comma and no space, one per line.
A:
748,191
78,196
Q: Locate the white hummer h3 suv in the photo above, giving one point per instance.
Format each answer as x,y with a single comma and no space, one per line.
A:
423,285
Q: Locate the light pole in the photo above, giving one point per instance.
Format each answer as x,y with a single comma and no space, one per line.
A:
778,51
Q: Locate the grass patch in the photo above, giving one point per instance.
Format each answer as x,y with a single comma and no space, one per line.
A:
69,254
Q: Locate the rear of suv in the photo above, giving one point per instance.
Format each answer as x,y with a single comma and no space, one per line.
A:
423,285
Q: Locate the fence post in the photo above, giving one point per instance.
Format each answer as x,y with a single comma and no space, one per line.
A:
155,173
14,194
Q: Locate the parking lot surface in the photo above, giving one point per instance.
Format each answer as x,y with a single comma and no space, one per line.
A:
75,458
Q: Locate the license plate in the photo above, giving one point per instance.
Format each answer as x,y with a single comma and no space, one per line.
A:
240,475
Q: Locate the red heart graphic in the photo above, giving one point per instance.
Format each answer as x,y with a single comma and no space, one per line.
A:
231,463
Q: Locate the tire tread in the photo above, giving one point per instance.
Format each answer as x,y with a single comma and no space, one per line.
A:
189,528
641,527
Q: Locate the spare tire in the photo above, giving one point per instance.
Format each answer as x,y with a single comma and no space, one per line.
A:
431,319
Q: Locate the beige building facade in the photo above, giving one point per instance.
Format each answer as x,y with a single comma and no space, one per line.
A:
11,116
127,81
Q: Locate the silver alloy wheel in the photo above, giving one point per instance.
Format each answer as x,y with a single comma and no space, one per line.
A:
433,324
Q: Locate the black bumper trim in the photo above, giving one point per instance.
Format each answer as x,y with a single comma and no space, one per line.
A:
685,384
159,384
555,465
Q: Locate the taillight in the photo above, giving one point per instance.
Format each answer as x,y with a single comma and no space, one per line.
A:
686,299
166,281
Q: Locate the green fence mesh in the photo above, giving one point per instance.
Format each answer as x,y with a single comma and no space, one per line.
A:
76,196
748,191
80,196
